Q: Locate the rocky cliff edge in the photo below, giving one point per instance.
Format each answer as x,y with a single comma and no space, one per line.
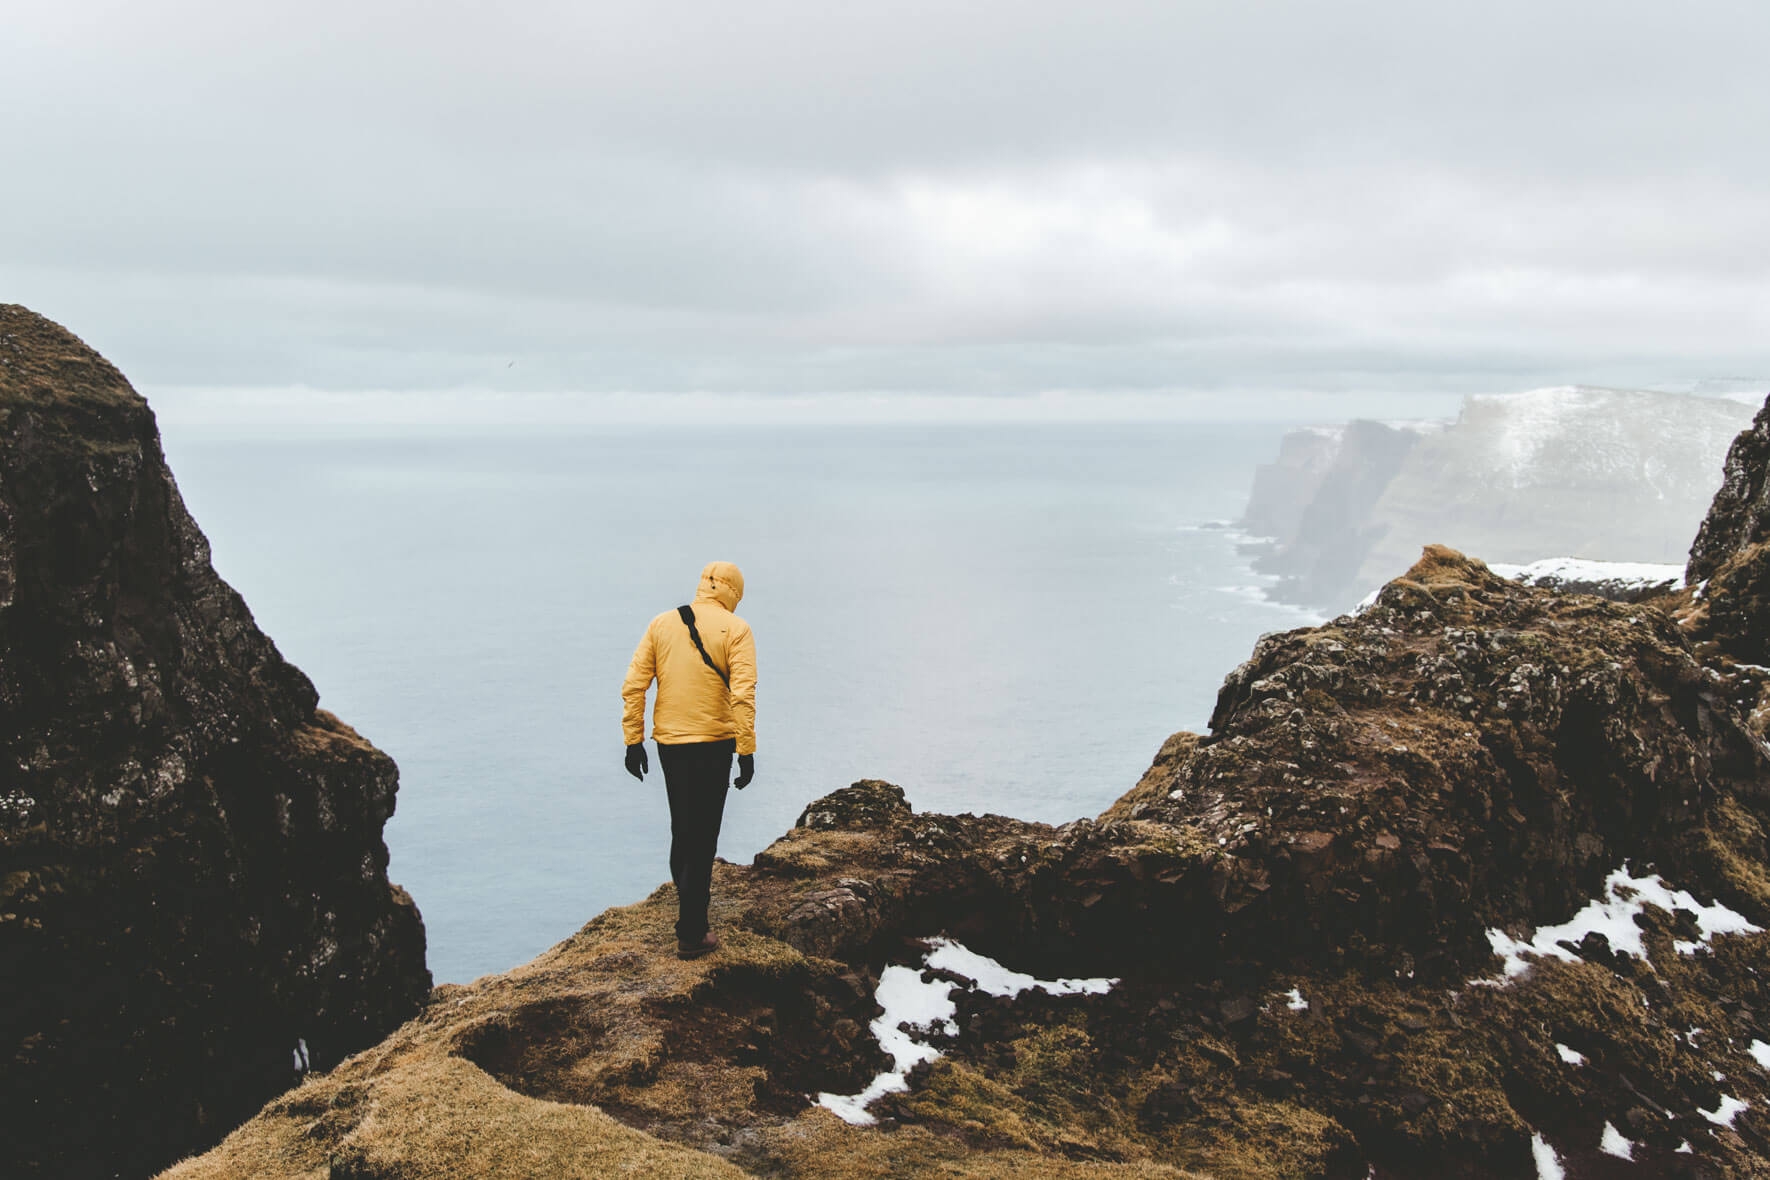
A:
193,885
1472,883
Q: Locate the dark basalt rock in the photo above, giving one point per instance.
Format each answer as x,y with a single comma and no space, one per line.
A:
192,875
1732,553
1467,753
1376,794
1734,611
1740,515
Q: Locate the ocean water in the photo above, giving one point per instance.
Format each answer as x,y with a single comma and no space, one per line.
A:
997,618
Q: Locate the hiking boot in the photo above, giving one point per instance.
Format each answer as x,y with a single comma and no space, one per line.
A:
706,944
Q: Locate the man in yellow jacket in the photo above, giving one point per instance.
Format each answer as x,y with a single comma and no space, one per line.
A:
704,661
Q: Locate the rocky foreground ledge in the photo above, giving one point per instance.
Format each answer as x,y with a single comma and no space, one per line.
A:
193,886
1470,884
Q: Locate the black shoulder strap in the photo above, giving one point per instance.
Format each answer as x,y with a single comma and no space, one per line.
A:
687,613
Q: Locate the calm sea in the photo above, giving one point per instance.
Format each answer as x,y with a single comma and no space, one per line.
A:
1002,618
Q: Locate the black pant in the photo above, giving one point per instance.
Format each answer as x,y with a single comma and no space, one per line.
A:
696,775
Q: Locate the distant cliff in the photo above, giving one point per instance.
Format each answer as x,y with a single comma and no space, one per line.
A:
1313,506
193,882
1473,884
1571,472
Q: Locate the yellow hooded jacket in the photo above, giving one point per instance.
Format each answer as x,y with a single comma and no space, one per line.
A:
693,703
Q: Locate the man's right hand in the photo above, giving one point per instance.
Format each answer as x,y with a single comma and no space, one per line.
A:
637,764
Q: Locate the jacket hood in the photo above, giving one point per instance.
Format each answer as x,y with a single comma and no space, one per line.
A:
721,582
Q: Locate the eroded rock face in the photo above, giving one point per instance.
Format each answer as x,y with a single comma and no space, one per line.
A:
1732,552
1740,514
1467,753
192,875
1315,504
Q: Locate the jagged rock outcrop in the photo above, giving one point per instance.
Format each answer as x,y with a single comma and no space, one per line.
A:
1739,516
192,875
1732,551
1301,908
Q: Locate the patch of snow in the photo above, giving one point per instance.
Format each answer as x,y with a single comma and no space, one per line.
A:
1614,1144
1570,1056
1548,1164
989,976
1760,1053
1533,419
915,1007
1613,915
1724,1114
1295,1002
926,1007
1683,1148
302,1063
1614,576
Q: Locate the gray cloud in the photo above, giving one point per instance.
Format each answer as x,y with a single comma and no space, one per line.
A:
988,197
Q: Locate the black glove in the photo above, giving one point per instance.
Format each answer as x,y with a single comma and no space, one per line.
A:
746,770
637,764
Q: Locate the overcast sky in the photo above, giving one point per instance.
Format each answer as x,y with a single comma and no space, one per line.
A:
971,198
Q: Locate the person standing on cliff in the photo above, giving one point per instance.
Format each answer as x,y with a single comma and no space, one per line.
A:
704,661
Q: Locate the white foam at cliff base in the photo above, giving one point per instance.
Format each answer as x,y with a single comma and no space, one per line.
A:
1613,915
1260,594
1548,1164
926,1007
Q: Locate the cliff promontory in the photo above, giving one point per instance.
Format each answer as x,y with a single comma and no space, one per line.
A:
194,903
1730,560
1580,472
1472,883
